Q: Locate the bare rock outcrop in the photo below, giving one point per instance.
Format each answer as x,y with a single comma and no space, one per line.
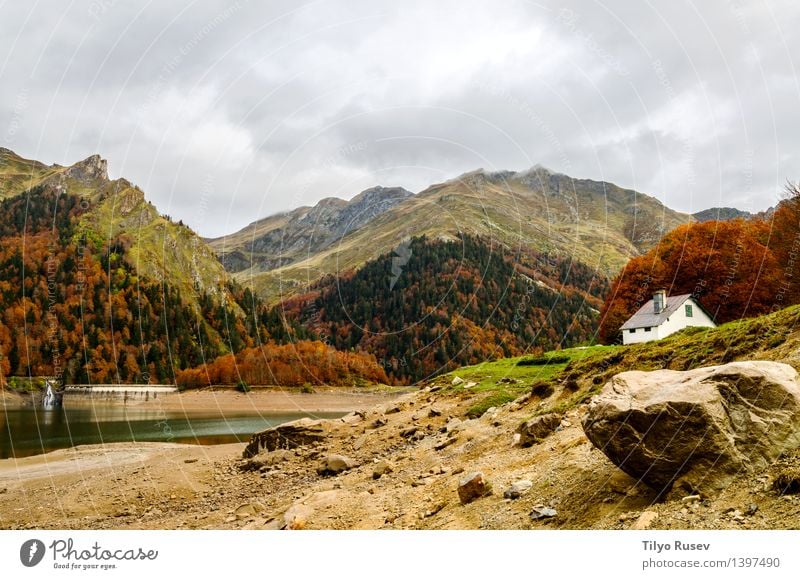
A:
291,435
696,430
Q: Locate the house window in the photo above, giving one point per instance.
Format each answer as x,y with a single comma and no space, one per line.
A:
688,308
647,329
632,331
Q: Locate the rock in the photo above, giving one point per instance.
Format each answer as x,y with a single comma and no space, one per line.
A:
381,468
751,510
434,412
190,460
248,510
393,409
296,517
517,489
299,515
410,431
378,422
445,443
335,464
263,460
472,487
456,381
540,512
788,482
645,521
470,384
452,424
288,436
537,428
353,418
696,430
690,499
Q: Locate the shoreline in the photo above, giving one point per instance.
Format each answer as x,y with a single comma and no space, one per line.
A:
228,399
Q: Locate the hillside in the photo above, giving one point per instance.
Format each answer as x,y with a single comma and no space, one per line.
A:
290,237
443,304
97,286
594,223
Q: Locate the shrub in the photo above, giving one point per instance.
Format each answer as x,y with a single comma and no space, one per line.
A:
243,386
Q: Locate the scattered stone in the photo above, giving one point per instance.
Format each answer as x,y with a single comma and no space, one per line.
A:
359,442
458,470
537,428
265,460
378,422
456,381
699,428
472,487
335,464
645,521
517,489
540,512
435,509
288,436
470,384
751,510
393,409
691,499
434,412
410,431
507,380
382,468
190,460
452,424
445,443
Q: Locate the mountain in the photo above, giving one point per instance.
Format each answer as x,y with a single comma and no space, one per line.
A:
721,214
290,237
594,223
439,304
96,286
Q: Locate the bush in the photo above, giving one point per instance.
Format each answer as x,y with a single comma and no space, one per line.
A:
544,360
307,388
243,386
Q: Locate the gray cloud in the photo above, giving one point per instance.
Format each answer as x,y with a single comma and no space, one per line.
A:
227,111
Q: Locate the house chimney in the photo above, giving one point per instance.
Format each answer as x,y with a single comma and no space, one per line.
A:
659,301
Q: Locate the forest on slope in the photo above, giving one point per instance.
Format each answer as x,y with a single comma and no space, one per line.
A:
737,269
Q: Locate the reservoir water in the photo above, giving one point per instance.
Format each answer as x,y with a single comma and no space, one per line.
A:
31,430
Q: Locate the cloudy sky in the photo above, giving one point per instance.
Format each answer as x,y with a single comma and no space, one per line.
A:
224,112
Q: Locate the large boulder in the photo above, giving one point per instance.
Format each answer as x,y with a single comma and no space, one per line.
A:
291,435
696,430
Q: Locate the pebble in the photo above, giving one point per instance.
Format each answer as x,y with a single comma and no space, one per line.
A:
517,489
541,512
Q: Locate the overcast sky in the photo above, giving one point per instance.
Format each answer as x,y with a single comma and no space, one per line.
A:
224,112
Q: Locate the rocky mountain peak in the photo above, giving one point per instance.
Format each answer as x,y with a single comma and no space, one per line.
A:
92,168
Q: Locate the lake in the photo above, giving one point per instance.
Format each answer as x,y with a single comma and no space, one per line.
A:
28,431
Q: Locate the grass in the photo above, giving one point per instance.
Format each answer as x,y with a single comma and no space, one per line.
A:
504,380
563,379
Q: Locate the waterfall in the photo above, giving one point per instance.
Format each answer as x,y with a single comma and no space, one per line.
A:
50,399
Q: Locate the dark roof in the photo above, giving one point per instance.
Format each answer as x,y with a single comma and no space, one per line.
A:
647,318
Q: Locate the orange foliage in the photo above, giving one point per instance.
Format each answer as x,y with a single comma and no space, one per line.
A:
286,365
729,266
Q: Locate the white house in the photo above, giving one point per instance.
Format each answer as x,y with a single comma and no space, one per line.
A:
663,316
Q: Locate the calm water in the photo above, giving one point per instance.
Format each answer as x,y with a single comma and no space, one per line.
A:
28,431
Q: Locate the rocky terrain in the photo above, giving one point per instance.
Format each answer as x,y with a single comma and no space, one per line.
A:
414,463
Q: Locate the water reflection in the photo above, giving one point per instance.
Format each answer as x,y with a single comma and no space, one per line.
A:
28,431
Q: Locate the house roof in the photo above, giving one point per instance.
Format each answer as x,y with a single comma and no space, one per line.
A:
647,318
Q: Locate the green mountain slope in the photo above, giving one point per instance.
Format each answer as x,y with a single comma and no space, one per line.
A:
594,223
